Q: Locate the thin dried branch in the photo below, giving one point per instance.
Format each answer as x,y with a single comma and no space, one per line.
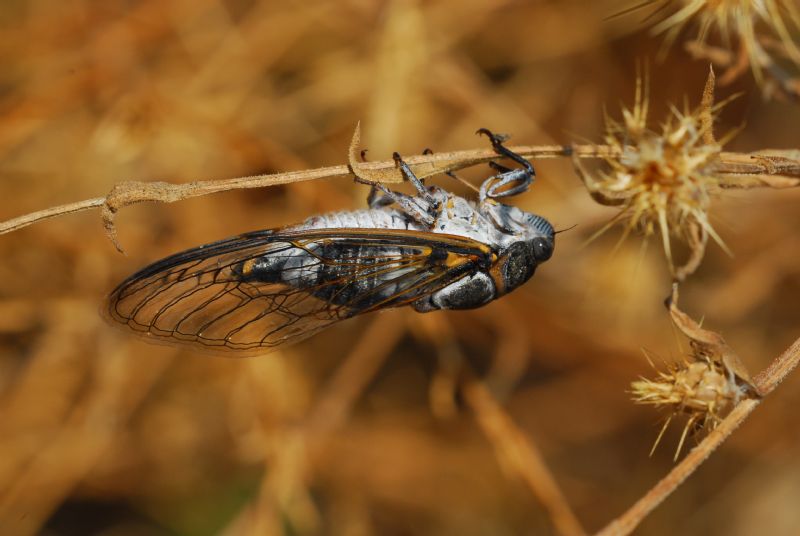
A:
41,215
767,168
424,165
627,522
777,371
763,383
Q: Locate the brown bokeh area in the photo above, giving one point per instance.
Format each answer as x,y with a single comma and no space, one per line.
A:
367,428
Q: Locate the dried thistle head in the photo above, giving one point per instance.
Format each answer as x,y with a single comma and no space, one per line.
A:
762,30
702,388
662,179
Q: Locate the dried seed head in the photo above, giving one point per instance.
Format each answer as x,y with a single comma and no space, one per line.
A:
757,26
703,389
661,179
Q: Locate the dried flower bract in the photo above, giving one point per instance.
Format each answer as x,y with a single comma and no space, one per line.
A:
702,388
661,179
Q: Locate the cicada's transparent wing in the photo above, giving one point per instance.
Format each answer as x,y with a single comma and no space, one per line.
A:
261,290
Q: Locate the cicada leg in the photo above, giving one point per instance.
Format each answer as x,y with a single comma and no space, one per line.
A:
509,181
422,208
377,198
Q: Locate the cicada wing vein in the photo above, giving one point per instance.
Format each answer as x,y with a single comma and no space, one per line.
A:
255,292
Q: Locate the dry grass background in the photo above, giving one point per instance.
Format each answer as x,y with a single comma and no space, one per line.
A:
358,430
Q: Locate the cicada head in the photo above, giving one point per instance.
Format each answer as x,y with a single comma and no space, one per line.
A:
526,240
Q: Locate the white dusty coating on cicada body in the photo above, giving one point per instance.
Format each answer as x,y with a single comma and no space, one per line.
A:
519,242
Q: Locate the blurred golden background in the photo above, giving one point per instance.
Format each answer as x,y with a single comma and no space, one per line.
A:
361,429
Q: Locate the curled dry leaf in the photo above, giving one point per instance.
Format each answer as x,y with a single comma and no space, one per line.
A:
708,343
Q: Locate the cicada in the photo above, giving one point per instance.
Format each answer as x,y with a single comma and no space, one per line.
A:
261,290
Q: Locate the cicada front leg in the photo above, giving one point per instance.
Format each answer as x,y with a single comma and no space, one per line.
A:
508,181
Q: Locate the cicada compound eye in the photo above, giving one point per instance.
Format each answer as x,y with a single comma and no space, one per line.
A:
542,249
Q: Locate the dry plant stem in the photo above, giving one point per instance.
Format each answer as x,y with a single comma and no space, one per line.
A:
777,169
46,214
766,168
766,381
697,240
424,165
626,523
523,457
